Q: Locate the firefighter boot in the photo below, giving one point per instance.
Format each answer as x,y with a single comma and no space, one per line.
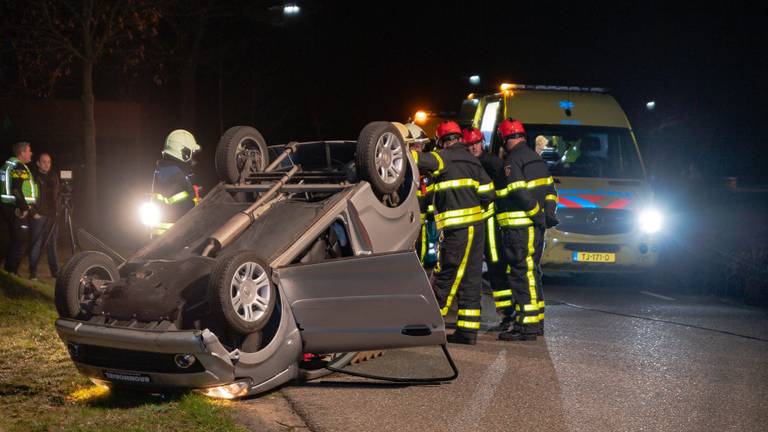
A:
522,333
463,337
505,325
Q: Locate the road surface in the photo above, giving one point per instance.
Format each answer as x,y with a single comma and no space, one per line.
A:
616,357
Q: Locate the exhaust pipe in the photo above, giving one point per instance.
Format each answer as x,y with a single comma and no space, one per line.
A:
241,221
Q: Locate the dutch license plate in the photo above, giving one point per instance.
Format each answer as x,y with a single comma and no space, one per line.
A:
598,257
127,377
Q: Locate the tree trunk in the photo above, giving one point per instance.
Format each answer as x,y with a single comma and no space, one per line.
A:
89,142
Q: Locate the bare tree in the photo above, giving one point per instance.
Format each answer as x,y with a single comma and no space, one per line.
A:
55,39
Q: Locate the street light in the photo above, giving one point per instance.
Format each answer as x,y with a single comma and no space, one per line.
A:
650,105
474,79
291,9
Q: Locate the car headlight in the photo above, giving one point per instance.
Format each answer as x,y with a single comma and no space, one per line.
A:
650,221
149,213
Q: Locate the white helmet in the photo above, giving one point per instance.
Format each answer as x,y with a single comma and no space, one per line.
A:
181,145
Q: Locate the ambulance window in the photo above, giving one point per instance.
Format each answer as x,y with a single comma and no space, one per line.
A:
488,122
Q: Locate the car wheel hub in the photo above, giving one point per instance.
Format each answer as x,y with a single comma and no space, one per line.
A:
250,291
389,157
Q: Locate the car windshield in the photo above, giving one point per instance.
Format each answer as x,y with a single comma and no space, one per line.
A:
581,151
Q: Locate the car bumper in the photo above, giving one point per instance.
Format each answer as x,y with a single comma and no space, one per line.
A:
145,358
634,252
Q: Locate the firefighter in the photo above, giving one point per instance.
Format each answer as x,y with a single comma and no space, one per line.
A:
462,192
497,274
173,186
425,243
522,216
19,196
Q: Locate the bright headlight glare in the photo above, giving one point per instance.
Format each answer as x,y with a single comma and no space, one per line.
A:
230,391
149,213
650,221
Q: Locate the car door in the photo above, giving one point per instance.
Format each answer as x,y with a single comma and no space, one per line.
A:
361,303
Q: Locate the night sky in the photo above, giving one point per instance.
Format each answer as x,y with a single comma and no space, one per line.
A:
344,65
338,65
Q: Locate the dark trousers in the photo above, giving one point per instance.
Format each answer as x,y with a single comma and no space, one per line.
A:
18,234
522,246
459,273
497,267
44,229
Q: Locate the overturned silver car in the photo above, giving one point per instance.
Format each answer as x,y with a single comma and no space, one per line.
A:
300,257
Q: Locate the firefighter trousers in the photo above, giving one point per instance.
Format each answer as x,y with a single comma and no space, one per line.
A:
523,248
497,267
459,272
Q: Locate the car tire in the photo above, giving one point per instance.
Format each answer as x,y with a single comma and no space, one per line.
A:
77,280
242,293
233,150
381,157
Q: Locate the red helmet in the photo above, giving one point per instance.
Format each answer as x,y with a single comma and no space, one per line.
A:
472,135
447,128
510,127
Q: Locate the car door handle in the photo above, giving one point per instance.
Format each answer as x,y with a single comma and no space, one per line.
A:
416,330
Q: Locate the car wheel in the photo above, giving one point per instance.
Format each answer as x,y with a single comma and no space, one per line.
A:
242,292
79,282
381,157
237,146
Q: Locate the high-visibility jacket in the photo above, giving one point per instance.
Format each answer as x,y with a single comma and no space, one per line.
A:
529,192
19,186
462,190
174,190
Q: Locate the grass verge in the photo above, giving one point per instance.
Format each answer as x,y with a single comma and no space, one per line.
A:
40,389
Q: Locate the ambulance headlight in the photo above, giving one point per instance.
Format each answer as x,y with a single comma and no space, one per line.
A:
650,220
149,213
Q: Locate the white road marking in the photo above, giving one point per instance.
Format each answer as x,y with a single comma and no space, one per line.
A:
478,404
657,295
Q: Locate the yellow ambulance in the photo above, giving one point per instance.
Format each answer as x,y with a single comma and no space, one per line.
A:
608,222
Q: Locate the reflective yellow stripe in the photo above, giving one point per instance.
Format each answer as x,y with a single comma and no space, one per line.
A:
453,184
469,312
415,156
468,324
172,199
502,293
459,221
488,213
516,185
502,192
541,304
178,197
440,164
528,308
533,211
430,188
458,217
492,238
459,212
529,265
540,317
423,217
512,215
485,188
460,272
431,208
513,221
530,320
502,304
552,198
540,182
423,251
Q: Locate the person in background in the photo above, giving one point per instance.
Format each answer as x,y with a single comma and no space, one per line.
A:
19,197
44,230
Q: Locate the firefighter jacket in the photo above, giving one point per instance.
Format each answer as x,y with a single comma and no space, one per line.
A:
19,186
528,190
174,189
462,190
